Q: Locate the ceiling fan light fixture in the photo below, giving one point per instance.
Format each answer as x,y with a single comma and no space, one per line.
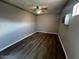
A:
38,11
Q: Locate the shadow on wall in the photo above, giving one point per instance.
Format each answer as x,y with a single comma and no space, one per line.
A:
11,32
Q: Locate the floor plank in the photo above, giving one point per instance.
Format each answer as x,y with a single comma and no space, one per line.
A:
37,46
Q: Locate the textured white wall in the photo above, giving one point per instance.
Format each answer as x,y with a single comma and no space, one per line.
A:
14,24
70,37
70,34
47,23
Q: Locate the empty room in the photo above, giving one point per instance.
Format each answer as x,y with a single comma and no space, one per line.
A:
39,29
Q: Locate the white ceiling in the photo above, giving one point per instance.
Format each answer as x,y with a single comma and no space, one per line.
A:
54,6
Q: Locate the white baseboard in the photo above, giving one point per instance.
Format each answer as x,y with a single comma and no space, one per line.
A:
48,32
16,41
63,48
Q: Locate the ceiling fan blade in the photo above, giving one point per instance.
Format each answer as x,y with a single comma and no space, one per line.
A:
44,8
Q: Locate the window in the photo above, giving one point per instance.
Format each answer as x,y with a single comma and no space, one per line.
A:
67,19
76,10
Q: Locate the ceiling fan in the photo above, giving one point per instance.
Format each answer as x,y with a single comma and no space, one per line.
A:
38,9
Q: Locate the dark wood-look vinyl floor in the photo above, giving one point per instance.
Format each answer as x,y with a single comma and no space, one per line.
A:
37,46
